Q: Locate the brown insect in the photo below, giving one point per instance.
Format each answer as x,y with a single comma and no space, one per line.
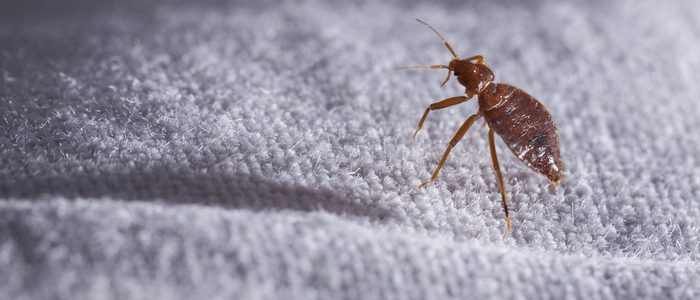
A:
519,119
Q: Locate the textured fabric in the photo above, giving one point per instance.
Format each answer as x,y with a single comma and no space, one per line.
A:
263,150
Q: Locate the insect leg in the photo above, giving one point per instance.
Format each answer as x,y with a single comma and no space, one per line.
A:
458,136
497,168
439,105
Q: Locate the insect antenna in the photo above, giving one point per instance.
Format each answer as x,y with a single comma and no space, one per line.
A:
430,67
423,66
447,44
442,38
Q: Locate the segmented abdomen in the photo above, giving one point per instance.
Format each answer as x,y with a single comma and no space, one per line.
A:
526,127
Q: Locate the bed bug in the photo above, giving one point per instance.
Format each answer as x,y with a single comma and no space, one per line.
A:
519,119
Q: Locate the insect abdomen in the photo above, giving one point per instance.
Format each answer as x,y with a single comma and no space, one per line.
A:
525,126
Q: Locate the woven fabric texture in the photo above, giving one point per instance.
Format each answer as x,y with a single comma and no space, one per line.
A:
262,150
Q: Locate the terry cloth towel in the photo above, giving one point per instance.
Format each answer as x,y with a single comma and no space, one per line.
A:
171,149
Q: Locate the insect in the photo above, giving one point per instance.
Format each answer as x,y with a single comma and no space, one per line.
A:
519,119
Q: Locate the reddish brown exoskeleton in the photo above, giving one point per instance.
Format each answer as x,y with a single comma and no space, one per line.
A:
518,118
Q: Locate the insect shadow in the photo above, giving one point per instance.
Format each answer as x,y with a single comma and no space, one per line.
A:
230,191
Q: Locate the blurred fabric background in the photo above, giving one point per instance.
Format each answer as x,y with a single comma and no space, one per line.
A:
262,150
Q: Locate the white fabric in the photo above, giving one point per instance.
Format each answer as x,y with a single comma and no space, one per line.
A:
263,150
